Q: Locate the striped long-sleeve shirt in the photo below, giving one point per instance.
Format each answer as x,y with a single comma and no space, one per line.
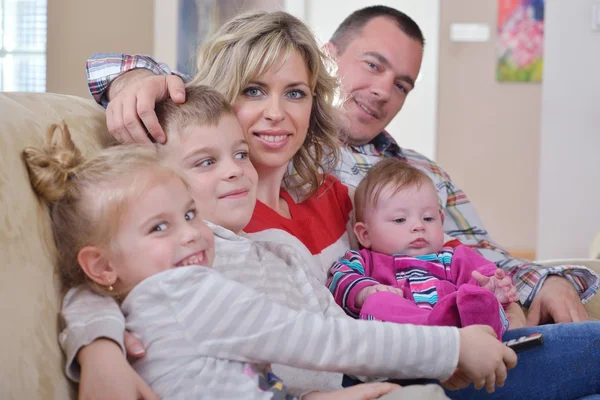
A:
203,332
276,271
461,220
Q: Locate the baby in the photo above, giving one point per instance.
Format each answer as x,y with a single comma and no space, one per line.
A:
408,272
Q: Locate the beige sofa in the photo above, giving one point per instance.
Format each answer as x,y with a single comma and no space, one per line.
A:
32,363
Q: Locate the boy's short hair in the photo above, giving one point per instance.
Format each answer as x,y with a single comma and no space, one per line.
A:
203,106
390,171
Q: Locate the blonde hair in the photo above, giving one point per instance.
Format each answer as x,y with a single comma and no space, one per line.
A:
86,198
246,47
389,172
203,106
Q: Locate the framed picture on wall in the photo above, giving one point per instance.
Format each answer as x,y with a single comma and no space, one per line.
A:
520,40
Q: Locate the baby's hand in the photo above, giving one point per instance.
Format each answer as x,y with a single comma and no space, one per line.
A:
500,284
366,292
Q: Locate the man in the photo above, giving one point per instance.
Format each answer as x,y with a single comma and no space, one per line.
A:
378,51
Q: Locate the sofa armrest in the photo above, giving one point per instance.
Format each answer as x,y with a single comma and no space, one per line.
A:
592,306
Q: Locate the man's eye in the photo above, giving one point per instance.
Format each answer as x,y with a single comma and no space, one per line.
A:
402,88
371,65
190,215
160,227
400,220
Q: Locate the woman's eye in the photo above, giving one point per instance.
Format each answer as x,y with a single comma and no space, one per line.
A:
160,227
190,215
252,92
400,220
241,155
296,94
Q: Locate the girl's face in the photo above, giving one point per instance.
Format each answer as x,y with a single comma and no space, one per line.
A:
162,230
274,112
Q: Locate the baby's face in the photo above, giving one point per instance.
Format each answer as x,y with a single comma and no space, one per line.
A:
160,230
217,167
408,222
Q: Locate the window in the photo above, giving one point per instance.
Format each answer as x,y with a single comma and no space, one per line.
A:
23,45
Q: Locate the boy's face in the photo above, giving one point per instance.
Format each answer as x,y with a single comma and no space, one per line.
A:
218,170
408,222
160,231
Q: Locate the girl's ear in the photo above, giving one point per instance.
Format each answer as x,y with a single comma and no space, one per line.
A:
96,266
362,234
442,216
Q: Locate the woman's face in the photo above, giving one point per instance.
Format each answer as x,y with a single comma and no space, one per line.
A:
274,112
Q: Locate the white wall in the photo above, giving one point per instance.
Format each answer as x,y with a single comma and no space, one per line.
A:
165,31
569,198
415,125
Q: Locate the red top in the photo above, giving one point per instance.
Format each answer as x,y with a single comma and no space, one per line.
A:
318,222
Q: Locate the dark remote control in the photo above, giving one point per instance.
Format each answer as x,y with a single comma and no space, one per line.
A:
525,342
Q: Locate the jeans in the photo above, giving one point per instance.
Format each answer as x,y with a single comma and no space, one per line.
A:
566,366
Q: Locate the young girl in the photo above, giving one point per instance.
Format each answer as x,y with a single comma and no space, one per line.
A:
408,272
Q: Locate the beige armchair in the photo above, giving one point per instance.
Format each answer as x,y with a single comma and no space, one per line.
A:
32,362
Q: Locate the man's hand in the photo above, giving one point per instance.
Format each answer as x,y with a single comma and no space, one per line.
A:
501,285
130,115
556,301
369,290
106,374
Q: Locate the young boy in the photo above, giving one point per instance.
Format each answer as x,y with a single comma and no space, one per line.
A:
407,271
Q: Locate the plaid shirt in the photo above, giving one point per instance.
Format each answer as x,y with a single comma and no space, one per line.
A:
461,220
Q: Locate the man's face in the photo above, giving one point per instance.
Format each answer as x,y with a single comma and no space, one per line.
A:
377,70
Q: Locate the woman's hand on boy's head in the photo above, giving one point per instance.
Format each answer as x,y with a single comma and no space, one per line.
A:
369,290
130,115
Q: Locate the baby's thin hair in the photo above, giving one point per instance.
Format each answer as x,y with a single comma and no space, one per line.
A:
203,106
391,172
86,197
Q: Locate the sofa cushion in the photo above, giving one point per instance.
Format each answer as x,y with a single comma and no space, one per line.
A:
32,363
